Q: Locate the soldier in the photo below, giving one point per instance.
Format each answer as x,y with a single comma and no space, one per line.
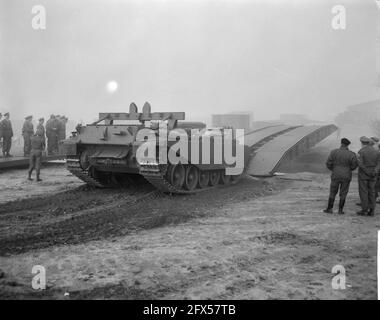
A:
38,145
341,162
375,145
57,128
369,165
49,134
41,127
27,133
62,128
7,132
1,134
375,142
52,132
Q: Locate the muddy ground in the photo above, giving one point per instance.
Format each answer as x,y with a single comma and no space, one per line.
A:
259,239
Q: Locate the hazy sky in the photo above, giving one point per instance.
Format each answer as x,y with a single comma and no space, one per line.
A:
201,57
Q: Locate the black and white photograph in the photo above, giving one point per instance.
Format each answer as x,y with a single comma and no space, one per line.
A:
207,151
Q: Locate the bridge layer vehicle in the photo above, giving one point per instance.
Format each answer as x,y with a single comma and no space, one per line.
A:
108,151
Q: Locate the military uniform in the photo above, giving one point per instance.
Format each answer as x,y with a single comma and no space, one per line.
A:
377,147
48,134
57,126
27,133
51,133
369,163
62,129
40,127
63,136
38,145
1,134
7,132
341,162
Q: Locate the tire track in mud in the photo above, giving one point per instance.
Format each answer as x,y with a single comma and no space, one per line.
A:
119,214
86,224
20,216
72,200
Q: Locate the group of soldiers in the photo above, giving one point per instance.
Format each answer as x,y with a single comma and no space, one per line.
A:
55,131
341,162
6,134
34,141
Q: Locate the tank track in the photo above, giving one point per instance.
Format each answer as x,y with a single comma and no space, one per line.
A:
155,175
74,167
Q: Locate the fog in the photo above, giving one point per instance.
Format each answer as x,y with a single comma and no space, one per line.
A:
200,57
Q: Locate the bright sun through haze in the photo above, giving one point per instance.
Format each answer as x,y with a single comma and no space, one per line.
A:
112,86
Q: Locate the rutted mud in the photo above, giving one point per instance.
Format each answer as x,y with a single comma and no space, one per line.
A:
85,214
259,239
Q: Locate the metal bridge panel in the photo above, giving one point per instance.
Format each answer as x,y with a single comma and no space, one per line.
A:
251,138
286,147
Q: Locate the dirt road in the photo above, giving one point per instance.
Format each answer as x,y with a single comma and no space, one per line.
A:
259,239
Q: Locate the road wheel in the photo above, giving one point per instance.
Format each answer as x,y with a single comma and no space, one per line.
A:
204,177
191,179
84,160
214,178
177,175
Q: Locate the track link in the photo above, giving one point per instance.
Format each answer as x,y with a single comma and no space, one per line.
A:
155,175
74,167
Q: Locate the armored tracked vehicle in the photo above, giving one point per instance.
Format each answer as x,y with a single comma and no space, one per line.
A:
120,148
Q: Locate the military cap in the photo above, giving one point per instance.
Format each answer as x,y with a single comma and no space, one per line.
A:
375,139
345,141
364,139
28,117
52,116
6,114
41,119
57,116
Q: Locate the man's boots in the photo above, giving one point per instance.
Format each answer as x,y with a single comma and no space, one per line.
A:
341,205
371,212
38,179
362,212
30,176
330,205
